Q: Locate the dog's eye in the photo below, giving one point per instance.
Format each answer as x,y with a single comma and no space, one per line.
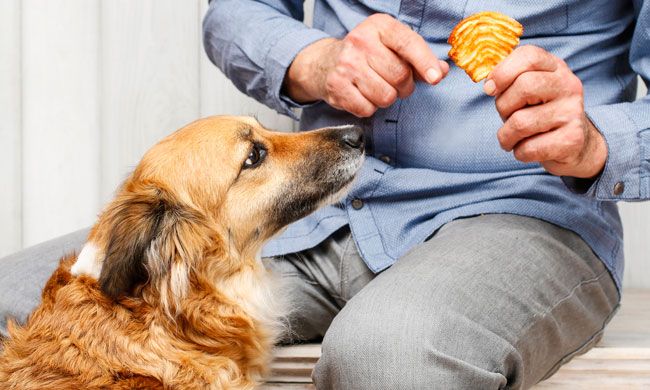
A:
255,157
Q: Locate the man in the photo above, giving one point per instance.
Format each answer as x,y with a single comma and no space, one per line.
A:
452,263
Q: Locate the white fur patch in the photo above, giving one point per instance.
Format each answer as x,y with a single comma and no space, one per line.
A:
88,262
260,294
179,280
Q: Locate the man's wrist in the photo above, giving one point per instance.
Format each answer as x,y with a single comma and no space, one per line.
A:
302,82
597,151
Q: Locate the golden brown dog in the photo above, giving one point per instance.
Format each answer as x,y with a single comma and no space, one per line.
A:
169,291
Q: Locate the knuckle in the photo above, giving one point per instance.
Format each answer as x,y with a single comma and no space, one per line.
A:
521,154
365,110
528,152
527,83
387,97
381,19
534,54
355,37
502,137
410,87
332,85
402,42
518,121
576,136
400,73
575,86
377,17
345,61
406,40
501,105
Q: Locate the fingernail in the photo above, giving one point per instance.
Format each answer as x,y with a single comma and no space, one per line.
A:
444,66
490,87
433,75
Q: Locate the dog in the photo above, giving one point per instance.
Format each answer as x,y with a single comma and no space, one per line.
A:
169,291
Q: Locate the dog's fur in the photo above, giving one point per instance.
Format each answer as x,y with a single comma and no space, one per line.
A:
169,292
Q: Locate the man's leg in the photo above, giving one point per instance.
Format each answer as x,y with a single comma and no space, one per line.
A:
25,273
491,302
318,281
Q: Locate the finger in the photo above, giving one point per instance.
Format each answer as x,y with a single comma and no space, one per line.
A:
374,88
393,69
556,145
530,121
528,89
352,100
410,46
523,59
558,168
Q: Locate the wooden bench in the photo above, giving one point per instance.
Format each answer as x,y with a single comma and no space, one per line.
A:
620,361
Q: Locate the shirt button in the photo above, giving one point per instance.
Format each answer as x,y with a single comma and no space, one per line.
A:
619,188
385,158
357,203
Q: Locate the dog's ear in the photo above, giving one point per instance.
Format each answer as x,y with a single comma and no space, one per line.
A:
149,236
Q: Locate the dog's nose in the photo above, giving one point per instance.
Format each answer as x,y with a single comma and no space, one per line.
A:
353,137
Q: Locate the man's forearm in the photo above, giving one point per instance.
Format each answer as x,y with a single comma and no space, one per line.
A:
253,43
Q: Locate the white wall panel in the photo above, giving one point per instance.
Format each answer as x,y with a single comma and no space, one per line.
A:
219,95
60,116
10,127
636,222
150,78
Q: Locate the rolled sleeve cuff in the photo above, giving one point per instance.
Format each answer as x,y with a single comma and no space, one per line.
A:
621,177
280,56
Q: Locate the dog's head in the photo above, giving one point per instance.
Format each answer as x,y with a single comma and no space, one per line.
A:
213,191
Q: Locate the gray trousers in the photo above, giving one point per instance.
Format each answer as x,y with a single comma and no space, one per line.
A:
489,302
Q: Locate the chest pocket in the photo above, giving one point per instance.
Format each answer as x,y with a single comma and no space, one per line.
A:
390,7
539,17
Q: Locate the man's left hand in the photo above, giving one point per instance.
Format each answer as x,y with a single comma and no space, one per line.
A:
541,102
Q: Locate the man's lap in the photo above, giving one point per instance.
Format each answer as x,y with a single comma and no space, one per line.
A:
489,302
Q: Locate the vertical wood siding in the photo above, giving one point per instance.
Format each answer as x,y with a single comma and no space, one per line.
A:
88,85
10,127
60,121
636,224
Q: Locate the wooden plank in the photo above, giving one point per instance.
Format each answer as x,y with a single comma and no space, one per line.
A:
635,218
595,381
219,96
149,81
287,386
60,116
10,129
630,327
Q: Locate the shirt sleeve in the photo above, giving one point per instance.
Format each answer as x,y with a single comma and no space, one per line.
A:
626,129
254,42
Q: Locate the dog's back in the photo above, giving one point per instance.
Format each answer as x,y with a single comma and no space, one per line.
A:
54,351
80,338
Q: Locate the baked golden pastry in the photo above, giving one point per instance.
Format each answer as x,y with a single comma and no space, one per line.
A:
480,41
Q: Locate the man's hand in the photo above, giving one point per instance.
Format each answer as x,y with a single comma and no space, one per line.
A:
371,67
542,105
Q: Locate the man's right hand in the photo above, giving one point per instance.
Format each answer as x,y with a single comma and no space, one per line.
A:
371,67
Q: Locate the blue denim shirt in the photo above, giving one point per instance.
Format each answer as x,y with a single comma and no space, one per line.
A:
434,156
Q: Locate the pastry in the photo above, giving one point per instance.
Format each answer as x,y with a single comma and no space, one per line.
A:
480,41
